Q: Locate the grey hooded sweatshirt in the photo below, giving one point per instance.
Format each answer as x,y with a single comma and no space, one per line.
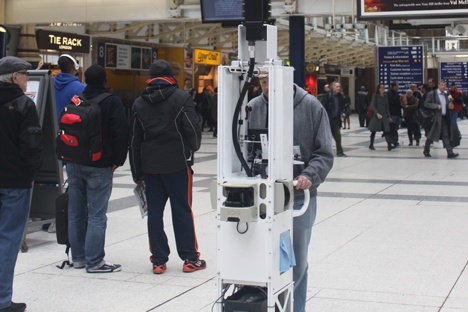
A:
311,133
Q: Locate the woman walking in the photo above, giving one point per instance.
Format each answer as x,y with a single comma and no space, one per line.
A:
410,111
380,120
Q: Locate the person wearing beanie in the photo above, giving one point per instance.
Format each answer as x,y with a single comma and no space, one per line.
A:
165,133
90,186
66,84
21,141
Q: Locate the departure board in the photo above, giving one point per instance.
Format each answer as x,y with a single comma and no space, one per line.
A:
456,72
402,64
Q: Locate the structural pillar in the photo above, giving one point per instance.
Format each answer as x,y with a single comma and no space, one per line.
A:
2,12
297,48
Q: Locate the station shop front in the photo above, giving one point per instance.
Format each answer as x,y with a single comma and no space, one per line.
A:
52,44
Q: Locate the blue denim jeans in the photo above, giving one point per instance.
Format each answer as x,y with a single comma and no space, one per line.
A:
302,232
89,190
14,212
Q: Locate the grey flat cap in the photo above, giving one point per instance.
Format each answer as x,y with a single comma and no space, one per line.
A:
11,64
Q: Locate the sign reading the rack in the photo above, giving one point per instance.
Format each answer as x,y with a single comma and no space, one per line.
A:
207,57
402,64
59,41
455,72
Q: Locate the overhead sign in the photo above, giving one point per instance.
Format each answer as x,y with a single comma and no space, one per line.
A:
121,56
455,72
391,9
207,57
59,41
402,64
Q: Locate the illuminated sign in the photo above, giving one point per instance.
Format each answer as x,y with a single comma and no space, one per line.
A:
455,72
51,40
207,57
402,64
391,9
121,56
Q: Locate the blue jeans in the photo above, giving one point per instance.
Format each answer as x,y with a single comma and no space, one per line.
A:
302,232
454,122
89,190
14,212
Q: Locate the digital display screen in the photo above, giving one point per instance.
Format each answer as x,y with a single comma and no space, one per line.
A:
222,11
391,9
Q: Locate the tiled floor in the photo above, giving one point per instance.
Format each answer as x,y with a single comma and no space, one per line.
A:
391,235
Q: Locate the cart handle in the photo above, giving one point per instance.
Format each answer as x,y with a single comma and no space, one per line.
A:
300,212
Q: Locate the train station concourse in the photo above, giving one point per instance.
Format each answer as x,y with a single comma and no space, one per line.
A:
390,235
391,230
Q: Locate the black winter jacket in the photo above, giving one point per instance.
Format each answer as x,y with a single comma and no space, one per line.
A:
20,138
328,102
114,128
394,103
165,131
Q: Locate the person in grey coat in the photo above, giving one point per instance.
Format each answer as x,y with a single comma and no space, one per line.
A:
381,119
312,137
437,100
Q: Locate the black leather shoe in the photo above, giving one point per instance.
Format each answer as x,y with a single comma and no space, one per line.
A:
453,155
427,154
15,307
371,147
389,147
341,155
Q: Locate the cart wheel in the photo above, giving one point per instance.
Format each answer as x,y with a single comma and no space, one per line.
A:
24,247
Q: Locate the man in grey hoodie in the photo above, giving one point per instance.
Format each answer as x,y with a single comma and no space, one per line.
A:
313,140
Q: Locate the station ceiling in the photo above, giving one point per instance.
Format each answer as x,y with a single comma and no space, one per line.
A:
343,49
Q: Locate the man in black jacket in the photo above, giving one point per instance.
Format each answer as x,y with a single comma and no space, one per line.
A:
165,133
21,141
334,102
90,186
362,104
394,106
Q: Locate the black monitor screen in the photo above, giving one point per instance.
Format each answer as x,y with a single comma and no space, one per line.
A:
222,11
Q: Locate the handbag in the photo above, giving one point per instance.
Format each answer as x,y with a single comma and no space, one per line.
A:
425,118
370,112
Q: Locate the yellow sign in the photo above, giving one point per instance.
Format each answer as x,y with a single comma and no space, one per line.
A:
207,57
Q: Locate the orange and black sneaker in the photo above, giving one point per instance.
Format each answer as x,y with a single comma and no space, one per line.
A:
192,266
159,269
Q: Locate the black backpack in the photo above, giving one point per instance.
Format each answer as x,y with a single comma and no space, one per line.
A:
79,139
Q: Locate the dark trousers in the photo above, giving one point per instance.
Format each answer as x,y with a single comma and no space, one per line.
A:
372,138
335,124
363,120
206,115
414,131
445,135
177,187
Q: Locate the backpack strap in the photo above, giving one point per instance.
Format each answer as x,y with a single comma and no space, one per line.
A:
97,99
66,262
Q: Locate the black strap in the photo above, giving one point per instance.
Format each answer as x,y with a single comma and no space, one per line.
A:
97,99
66,262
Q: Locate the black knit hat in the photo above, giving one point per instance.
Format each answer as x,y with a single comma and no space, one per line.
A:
160,68
95,75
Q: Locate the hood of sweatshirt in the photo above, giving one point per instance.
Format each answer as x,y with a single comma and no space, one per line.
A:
299,94
157,93
63,79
